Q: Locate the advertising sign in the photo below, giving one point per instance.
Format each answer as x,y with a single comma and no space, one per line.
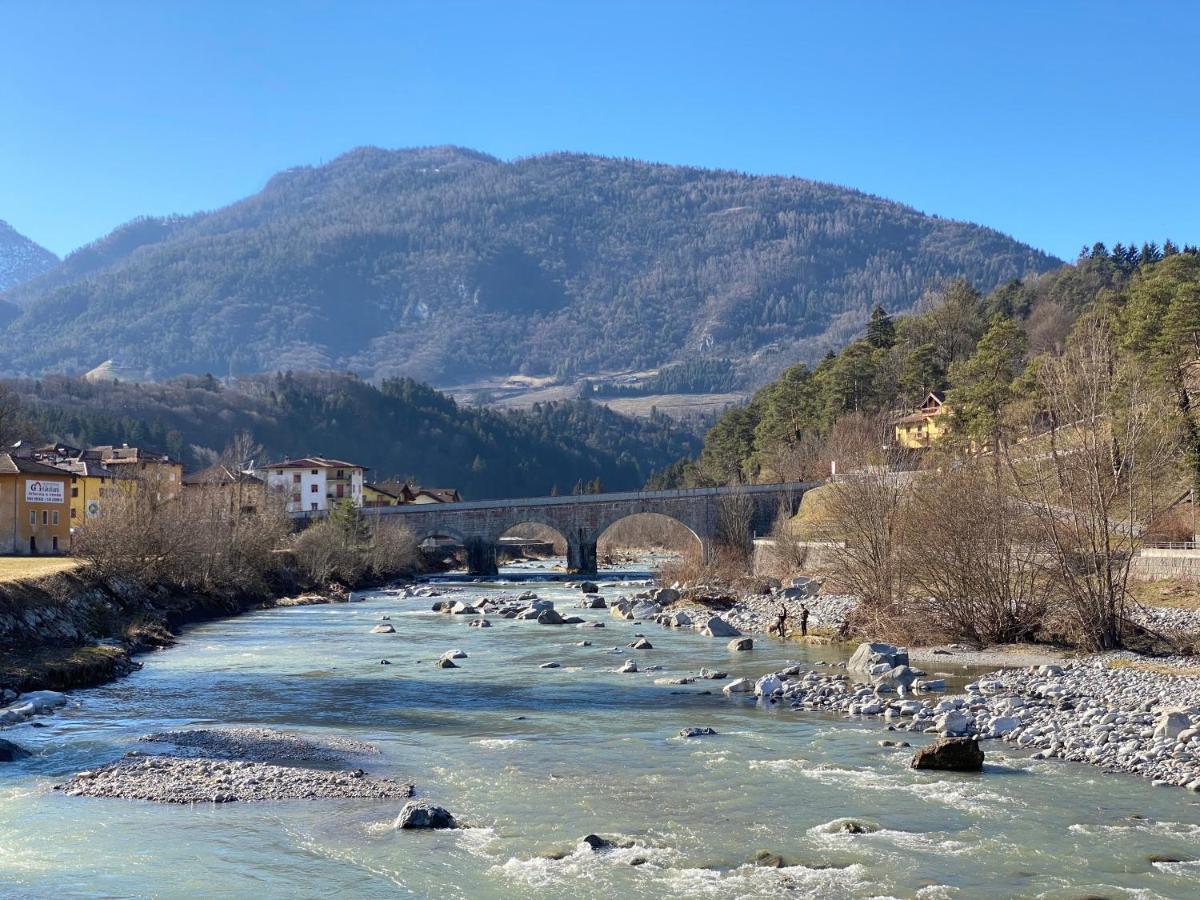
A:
44,491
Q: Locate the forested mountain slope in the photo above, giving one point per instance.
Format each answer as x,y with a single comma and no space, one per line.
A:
399,429
20,259
446,264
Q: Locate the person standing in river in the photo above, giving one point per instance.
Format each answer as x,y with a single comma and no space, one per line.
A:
803,621
781,621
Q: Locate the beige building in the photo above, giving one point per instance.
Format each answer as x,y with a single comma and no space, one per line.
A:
34,507
242,493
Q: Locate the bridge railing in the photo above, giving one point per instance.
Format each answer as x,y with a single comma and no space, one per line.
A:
574,499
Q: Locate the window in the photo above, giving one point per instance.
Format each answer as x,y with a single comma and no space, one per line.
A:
315,506
33,517
295,478
314,488
296,499
315,472
54,517
74,492
72,512
341,473
54,541
45,517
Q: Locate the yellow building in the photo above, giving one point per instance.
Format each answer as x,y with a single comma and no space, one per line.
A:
147,465
924,427
91,485
33,507
374,495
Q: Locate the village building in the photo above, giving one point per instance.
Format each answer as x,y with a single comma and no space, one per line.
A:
435,495
238,492
34,507
926,426
92,485
146,465
407,492
375,495
314,483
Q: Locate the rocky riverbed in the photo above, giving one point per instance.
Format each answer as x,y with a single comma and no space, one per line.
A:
1115,711
224,765
170,780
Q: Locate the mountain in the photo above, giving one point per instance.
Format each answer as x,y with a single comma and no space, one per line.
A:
20,259
449,265
399,428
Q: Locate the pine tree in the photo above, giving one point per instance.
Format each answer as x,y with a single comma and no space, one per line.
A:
983,384
881,330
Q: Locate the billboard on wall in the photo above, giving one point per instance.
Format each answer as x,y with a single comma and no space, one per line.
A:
44,491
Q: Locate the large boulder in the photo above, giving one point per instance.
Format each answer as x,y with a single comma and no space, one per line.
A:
1170,724
715,626
870,654
665,595
950,755
768,686
383,628
423,814
589,587
679,619
697,732
739,686
741,643
644,610
592,601
898,677
550,617
463,609
952,723
10,752
642,644
456,653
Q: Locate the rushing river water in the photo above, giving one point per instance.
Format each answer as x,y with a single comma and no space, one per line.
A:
533,759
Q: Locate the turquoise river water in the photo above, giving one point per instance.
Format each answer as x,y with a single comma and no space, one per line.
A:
533,759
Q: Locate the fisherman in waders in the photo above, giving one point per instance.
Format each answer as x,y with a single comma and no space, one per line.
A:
804,621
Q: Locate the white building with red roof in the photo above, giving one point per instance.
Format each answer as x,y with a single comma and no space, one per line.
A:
315,483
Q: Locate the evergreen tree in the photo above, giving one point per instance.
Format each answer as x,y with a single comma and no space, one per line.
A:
983,384
881,331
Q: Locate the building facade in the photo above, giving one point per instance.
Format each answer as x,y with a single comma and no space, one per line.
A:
926,426
34,507
315,483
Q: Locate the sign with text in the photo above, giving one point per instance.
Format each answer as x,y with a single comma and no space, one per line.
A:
44,492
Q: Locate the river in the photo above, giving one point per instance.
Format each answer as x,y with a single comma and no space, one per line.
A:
532,759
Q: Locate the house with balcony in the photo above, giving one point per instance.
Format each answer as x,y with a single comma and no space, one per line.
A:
315,483
924,427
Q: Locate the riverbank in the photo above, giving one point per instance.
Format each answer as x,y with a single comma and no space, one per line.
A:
1118,711
75,629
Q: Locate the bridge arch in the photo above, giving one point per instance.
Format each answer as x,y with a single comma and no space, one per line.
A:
645,530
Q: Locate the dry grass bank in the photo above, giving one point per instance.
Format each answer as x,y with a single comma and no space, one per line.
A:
20,568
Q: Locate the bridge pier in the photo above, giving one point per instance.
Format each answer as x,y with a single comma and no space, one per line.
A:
481,557
581,556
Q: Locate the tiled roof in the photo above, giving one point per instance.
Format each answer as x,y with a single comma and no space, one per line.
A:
314,462
13,465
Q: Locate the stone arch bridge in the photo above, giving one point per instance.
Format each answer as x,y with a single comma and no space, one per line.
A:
582,519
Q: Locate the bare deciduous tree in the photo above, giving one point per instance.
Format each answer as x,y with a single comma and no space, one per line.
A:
1087,477
973,558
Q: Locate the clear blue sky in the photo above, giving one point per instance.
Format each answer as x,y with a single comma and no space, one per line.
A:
1057,122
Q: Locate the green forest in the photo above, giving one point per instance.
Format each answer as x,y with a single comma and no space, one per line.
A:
977,348
445,265
399,429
